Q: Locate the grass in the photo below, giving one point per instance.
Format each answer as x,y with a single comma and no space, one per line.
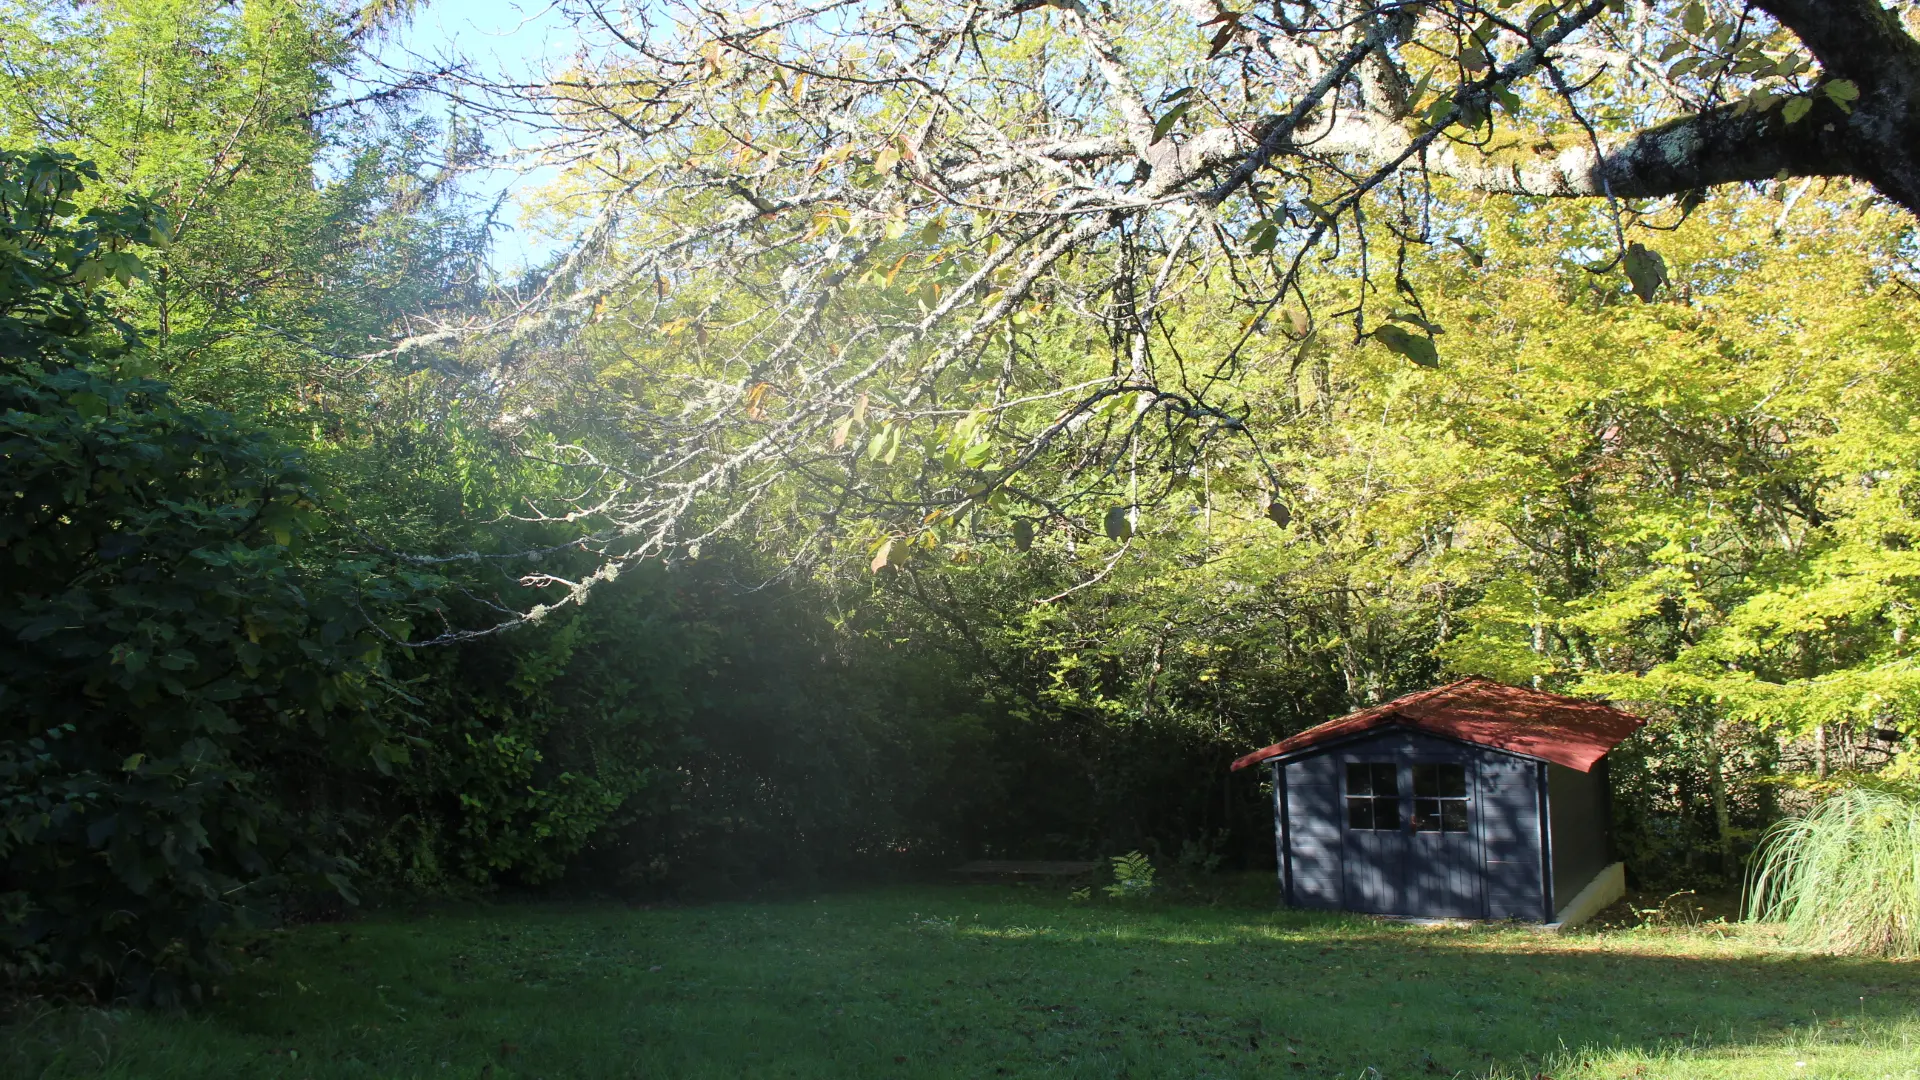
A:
998,981
1845,877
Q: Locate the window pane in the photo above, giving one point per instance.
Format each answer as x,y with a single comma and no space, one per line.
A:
1359,813
1359,780
1440,781
1386,814
1386,779
1453,815
1426,814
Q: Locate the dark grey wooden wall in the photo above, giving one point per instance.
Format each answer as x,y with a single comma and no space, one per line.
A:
1493,871
1577,815
1314,830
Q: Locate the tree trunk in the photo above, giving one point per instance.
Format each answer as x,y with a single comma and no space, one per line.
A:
1722,817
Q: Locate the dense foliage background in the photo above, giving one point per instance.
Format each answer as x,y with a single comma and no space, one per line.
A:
246,550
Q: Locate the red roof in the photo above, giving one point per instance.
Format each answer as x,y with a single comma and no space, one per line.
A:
1566,731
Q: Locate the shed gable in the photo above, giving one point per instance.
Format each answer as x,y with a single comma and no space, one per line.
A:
1532,723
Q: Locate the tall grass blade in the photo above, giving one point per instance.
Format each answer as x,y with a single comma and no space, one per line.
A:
1845,877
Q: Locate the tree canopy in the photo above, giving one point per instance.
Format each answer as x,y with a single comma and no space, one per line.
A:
878,225
945,429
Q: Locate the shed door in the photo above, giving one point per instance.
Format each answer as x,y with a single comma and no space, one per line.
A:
1410,847
1443,865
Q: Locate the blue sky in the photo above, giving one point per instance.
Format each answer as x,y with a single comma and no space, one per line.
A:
514,38
514,35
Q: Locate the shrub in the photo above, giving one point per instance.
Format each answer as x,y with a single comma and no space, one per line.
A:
186,672
1845,877
1132,875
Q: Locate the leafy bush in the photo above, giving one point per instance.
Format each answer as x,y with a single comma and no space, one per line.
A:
1132,876
529,745
1845,877
187,678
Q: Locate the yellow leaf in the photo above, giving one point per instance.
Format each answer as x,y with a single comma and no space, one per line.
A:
755,394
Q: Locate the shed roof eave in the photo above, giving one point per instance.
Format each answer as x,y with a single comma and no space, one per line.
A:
1568,731
1394,725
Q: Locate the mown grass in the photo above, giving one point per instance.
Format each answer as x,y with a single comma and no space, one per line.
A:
998,981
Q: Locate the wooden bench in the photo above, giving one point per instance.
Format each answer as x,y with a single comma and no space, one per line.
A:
1027,869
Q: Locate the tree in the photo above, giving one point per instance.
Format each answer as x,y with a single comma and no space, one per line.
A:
185,674
308,216
866,218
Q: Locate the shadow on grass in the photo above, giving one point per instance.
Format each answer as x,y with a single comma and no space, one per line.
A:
990,981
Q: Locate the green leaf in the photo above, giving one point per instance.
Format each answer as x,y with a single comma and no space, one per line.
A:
1796,108
1263,236
1117,525
1415,320
1842,92
1418,95
1473,254
1415,347
1694,21
1023,535
1165,124
1646,270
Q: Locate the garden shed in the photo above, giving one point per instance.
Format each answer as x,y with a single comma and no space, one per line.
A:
1474,800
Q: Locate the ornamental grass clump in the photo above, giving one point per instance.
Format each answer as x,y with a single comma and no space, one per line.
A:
1845,877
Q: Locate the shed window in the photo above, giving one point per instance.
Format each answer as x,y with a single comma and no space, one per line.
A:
1440,798
1373,795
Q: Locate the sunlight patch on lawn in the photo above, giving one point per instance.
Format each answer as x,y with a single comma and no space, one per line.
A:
919,984
1832,1050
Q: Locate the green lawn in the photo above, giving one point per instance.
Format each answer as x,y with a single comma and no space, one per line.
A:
992,981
